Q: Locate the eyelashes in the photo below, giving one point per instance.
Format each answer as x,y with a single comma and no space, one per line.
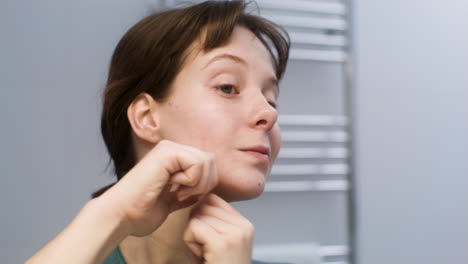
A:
228,89
231,90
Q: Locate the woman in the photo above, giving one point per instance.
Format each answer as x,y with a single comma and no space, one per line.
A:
189,121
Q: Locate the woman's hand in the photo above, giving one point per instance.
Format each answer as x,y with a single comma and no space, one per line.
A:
137,205
171,176
218,234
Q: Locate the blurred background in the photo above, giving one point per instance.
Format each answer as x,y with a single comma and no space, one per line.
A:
374,113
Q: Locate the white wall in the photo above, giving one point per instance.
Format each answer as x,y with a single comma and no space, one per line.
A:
53,63
411,108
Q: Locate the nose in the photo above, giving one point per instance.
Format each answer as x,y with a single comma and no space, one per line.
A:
263,116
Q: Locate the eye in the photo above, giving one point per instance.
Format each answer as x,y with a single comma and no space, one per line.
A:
227,88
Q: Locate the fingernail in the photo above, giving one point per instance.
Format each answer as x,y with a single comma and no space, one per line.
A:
174,187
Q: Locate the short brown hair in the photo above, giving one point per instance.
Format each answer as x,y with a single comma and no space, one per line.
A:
152,52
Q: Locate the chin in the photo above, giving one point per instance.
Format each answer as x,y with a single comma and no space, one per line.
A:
240,191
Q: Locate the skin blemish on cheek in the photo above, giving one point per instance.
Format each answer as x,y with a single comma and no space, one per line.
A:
172,104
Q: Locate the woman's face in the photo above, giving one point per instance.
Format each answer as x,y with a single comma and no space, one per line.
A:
223,102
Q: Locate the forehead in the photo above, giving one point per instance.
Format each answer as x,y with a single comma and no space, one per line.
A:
242,44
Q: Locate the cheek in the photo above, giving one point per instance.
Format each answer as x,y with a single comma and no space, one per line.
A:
219,122
206,126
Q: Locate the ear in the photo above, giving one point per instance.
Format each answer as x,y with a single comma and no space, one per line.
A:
143,119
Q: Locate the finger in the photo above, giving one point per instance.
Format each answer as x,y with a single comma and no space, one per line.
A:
207,178
215,200
183,178
200,232
188,181
220,213
174,187
176,205
180,157
220,226
213,178
196,187
232,233
196,248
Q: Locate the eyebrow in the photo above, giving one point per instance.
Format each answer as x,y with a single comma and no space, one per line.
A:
226,56
272,81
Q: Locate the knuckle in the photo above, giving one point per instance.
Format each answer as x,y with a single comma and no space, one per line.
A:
249,228
192,225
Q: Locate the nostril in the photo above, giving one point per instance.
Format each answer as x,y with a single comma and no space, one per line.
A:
261,122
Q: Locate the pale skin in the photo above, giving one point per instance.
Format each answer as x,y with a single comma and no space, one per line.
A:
196,151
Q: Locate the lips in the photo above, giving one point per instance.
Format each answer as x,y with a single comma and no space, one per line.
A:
262,153
259,149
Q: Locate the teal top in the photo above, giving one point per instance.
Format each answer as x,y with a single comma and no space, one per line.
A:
116,257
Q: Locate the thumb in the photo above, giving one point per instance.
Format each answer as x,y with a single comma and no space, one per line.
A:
196,236
176,204
197,249
192,244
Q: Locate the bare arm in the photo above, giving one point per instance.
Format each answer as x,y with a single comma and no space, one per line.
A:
133,206
89,238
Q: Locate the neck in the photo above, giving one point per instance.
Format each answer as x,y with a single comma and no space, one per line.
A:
163,246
